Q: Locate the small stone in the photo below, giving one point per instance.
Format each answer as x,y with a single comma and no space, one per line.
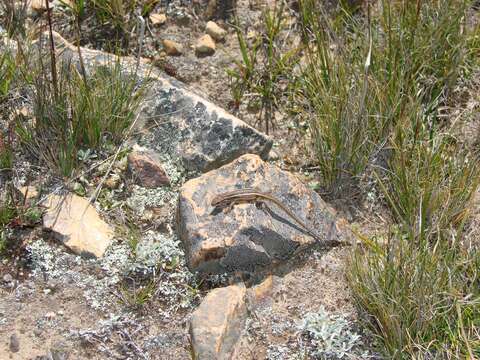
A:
37,332
158,19
172,48
113,181
146,169
7,278
215,31
205,46
50,315
217,324
38,6
14,343
29,193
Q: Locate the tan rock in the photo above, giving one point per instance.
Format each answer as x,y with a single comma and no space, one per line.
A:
172,48
217,324
215,31
77,224
29,193
158,19
38,5
146,169
205,46
262,291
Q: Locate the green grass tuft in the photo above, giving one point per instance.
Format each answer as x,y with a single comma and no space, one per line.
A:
79,114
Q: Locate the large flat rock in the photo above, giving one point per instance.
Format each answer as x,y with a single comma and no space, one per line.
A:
183,125
248,237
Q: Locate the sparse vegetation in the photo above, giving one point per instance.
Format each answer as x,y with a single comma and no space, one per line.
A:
374,84
266,67
372,87
79,113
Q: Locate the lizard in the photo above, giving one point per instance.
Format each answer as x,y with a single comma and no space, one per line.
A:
229,198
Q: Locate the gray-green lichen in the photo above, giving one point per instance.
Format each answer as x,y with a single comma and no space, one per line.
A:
330,335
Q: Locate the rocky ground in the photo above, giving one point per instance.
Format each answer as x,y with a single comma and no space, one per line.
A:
118,280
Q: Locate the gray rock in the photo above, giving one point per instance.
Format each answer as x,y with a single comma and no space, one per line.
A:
186,127
247,237
7,278
14,343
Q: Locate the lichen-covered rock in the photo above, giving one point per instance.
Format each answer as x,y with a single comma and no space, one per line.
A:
146,169
185,127
75,222
217,324
247,237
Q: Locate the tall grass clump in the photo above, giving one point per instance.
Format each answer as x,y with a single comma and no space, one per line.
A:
420,289
420,292
76,112
361,72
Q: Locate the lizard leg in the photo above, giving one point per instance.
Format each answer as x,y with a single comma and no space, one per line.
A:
226,209
264,207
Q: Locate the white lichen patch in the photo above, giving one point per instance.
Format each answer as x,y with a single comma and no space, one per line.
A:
330,335
162,256
159,250
68,268
142,199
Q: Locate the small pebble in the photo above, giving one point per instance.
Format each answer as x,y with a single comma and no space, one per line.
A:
50,315
205,46
215,31
14,343
7,278
172,48
158,19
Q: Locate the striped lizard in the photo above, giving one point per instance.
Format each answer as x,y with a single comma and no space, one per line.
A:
229,198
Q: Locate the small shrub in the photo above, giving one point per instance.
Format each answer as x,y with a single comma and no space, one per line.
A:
421,291
421,297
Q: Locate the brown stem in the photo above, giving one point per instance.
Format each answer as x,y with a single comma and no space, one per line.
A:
52,50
